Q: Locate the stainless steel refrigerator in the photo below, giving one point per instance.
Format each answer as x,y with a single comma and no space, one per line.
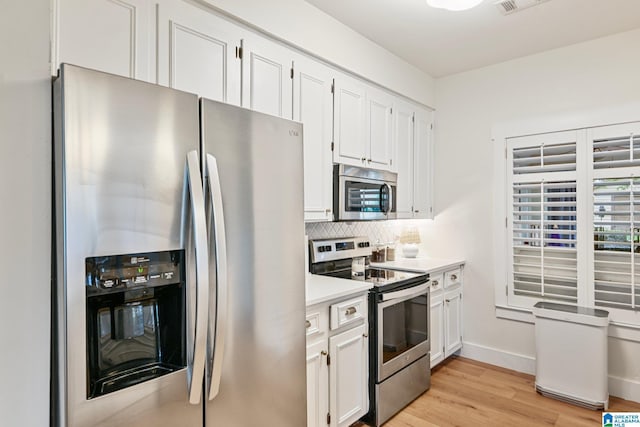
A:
179,267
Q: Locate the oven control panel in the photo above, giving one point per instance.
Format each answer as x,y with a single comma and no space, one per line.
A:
321,250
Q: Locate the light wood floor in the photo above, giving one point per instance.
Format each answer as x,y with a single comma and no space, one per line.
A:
469,393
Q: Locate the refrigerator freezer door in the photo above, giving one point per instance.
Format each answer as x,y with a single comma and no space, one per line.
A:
259,160
120,150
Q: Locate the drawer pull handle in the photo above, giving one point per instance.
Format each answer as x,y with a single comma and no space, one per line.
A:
307,324
454,277
324,353
350,311
435,283
448,301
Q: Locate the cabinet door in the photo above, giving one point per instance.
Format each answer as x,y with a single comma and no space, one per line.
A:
197,52
348,376
317,384
115,36
403,131
312,106
349,104
423,165
266,77
437,328
379,129
453,321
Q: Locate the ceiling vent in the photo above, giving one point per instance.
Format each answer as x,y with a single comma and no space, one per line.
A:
507,7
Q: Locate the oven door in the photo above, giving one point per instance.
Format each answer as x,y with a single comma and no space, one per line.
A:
403,328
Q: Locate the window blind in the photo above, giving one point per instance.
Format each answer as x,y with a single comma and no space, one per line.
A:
616,152
544,158
616,236
544,240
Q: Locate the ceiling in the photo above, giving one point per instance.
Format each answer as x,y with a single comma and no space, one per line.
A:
441,42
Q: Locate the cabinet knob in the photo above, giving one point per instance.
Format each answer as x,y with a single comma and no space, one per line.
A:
447,301
327,211
350,311
435,283
364,159
417,211
454,277
369,160
365,335
324,353
307,324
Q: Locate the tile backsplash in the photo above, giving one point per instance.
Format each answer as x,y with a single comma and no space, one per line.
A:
383,231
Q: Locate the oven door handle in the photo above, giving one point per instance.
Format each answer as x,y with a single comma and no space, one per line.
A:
413,291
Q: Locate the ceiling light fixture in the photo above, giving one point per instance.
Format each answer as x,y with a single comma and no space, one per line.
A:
454,4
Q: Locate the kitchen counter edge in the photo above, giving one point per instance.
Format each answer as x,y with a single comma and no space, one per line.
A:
323,288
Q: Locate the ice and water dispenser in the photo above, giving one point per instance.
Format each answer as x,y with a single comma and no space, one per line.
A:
135,319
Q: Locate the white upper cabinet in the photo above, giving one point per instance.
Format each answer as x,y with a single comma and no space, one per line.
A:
403,135
267,77
423,165
363,127
197,52
115,36
412,130
349,125
379,135
312,106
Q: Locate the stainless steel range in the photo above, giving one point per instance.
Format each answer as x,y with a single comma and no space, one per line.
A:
399,344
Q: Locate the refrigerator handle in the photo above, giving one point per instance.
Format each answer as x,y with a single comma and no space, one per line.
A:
219,301
199,230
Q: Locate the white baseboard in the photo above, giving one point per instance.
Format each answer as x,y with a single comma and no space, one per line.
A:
619,387
493,356
624,388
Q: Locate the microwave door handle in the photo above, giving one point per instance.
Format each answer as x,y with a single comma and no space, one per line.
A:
218,304
198,228
384,205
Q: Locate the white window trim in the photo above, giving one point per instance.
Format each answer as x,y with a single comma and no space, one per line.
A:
500,132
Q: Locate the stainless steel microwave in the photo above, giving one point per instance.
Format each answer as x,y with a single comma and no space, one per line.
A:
363,194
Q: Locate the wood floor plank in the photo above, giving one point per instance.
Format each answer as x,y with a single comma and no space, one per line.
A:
465,393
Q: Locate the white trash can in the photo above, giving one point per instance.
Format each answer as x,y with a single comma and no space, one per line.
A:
571,354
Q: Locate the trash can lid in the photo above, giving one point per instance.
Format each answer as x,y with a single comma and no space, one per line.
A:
571,313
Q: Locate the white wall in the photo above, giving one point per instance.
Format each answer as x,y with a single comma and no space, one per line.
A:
309,28
25,213
603,72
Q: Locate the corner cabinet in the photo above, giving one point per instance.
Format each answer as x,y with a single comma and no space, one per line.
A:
446,313
337,362
412,136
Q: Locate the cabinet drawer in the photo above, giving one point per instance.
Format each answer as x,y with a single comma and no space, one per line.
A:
346,312
436,281
453,277
317,321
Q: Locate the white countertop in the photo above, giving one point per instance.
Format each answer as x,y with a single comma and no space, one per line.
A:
420,264
324,288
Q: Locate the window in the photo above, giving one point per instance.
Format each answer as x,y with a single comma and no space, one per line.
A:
573,219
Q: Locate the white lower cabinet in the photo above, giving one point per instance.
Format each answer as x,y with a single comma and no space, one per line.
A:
446,314
317,384
437,328
337,362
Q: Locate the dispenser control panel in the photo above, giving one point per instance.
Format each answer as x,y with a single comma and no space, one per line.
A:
122,272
